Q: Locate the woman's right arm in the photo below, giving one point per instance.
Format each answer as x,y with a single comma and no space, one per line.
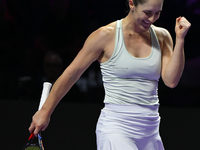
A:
91,51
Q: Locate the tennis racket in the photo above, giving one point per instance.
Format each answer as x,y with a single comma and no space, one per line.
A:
38,145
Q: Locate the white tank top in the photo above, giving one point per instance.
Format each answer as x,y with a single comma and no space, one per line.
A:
129,80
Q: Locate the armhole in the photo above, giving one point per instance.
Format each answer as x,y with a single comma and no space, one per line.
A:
155,40
118,22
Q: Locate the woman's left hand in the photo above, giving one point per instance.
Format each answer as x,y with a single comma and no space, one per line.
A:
182,27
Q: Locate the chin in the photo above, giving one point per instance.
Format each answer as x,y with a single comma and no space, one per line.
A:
145,28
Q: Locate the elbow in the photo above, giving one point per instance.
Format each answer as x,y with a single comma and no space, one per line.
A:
171,81
171,85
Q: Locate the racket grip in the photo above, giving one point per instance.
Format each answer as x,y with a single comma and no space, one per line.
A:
45,93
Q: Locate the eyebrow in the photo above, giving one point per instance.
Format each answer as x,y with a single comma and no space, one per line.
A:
152,11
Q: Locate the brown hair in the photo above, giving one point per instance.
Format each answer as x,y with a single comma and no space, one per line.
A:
136,2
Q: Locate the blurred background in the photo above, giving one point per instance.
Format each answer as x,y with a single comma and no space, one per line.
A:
39,39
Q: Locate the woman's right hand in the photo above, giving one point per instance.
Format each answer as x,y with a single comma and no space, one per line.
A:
40,121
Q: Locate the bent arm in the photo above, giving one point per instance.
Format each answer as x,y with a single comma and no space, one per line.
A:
173,61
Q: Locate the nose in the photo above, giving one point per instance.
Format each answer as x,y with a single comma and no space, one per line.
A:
153,18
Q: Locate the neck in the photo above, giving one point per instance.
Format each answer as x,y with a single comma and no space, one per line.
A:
130,25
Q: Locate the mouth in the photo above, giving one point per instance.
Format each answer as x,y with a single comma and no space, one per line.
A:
147,22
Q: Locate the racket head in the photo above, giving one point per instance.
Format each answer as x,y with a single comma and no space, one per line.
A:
32,145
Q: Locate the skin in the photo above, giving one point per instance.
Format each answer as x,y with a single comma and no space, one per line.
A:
100,46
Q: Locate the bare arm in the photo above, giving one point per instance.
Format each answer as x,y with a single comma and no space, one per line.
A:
90,52
173,61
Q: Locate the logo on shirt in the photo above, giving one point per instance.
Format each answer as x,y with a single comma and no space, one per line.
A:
120,68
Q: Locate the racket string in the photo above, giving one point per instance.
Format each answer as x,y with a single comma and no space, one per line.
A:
33,147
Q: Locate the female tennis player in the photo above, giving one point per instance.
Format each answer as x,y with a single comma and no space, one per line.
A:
133,54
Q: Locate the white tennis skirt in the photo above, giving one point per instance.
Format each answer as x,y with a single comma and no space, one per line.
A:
128,127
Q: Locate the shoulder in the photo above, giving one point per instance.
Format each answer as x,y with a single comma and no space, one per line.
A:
105,32
101,37
163,35
161,32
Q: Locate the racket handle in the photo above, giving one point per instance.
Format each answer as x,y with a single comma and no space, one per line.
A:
45,93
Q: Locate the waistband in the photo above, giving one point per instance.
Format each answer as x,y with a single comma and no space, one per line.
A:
146,109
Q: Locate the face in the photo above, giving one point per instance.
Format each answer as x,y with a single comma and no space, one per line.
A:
144,15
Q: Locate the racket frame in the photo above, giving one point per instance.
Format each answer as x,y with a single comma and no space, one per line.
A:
45,93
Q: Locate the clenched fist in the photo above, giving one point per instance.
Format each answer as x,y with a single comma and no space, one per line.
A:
182,27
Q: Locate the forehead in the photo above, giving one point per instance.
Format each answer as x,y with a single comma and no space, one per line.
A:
155,5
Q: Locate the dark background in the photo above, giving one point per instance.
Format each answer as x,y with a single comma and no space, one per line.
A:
33,32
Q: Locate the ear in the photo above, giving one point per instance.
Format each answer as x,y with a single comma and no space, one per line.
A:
131,4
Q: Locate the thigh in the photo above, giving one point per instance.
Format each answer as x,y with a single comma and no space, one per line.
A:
115,142
111,137
151,143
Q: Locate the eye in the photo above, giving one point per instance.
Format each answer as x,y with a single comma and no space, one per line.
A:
158,13
147,13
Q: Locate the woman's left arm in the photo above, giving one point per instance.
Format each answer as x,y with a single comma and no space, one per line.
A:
173,61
